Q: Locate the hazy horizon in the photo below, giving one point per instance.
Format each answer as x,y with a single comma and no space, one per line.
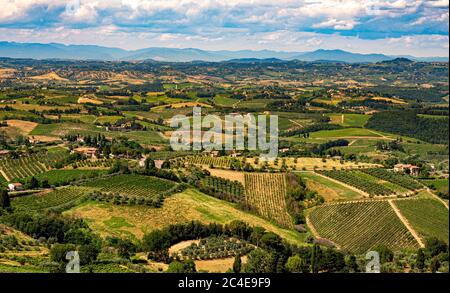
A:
390,27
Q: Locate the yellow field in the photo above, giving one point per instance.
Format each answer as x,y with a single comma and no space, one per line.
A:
392,100
49,76
182,105
309,164
134,221
25,127
85,100
228,174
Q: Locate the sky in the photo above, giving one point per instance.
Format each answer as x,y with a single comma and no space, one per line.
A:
395,27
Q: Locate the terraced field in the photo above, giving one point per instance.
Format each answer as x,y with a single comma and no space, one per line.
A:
427,216
58,199
359,226
266,193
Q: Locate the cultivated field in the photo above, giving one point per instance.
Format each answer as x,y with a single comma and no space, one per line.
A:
134,221
359,226
266,193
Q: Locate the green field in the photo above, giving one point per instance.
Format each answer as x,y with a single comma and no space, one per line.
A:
428,217
360,226
440,185
351,120
224,100
346,132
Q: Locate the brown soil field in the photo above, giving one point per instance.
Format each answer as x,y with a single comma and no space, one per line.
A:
24,126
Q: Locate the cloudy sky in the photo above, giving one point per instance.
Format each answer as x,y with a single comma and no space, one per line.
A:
417,27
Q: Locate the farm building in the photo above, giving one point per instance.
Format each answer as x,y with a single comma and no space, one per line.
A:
407,168
90,152
15,186
4,153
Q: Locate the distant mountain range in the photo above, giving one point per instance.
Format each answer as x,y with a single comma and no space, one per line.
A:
88,52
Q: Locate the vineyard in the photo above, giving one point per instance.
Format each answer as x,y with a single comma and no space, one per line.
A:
402,180
64,177
217,162
100,164
266,194
359,226
222,188
136,186
216,248
362,181
27,166
57,199
427,216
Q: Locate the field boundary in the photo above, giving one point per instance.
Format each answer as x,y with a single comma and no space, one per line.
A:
406,223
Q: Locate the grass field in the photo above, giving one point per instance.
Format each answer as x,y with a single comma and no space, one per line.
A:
441,185
346,132
328,189
224,100
351,120
309,164
359,226
427,216
134,221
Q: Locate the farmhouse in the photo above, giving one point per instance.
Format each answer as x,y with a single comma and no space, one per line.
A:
4,153
407,168
87,151
15,186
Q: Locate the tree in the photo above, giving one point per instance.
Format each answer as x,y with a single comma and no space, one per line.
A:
435,246
315,258
237,264
295,264
260,261
187,267
4,199
58,252
34,183
351,264
126,248
157,240
88,253
435,264
420,260
386,255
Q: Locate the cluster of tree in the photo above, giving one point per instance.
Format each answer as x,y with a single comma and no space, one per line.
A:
389,146
272,254
155,86
408,123
311,128
321,148
165,172
296,196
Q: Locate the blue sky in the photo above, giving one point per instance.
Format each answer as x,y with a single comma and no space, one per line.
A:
416,27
